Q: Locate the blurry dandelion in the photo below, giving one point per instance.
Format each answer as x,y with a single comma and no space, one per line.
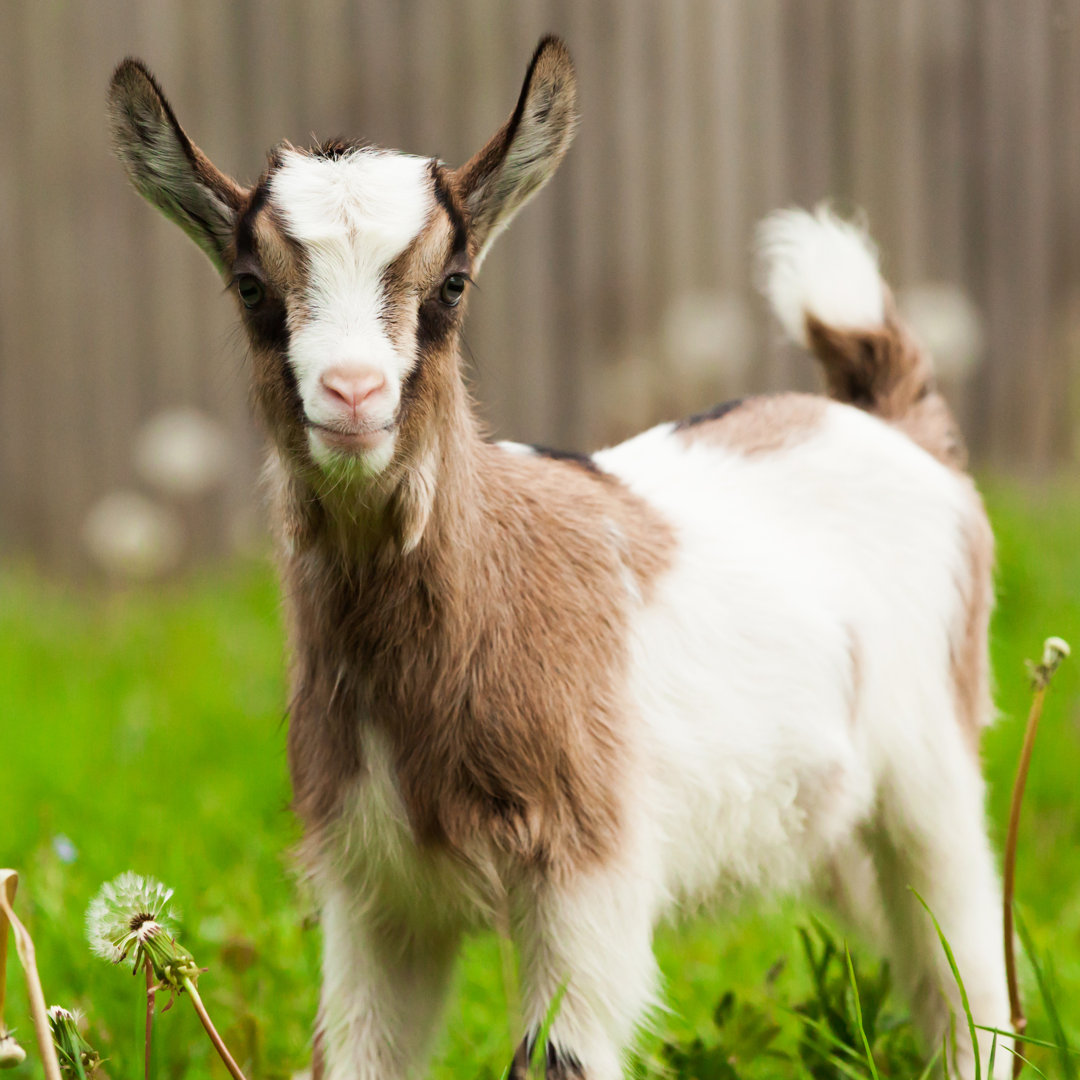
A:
183,453
947,322
132,537
11,1053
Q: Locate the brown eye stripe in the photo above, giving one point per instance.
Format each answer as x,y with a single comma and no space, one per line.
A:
245,227
445,198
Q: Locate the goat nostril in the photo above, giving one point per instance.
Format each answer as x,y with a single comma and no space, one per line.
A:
352,388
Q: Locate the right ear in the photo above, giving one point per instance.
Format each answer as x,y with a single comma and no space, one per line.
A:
166,167
521,156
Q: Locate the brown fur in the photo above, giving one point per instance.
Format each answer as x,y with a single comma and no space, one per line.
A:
491,657
468,603
318,1053
886,372
761,425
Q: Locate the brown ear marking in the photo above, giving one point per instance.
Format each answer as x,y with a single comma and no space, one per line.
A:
520,157
165,166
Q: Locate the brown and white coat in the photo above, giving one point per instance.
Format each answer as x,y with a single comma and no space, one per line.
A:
743,652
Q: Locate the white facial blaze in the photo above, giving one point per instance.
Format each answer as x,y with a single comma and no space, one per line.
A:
353,216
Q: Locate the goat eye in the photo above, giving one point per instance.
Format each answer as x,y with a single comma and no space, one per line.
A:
250,289
452,290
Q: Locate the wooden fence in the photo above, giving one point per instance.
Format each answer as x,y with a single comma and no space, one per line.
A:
623,293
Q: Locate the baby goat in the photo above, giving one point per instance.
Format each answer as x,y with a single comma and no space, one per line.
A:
743,652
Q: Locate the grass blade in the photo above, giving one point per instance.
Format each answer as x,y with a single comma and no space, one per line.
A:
545,1027
1046,1043
823,1029
1042,979
1034,1068
858,1015
925,1074
959,982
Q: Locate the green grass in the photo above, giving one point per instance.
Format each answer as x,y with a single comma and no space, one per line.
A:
148,730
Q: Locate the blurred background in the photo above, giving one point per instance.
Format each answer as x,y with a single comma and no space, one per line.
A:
141,727
622,295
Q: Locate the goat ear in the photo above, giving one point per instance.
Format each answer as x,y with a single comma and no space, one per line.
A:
526,150
166,167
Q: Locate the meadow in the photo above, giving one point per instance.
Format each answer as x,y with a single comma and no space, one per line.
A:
144,729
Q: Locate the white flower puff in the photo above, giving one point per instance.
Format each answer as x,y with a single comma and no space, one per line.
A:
121,907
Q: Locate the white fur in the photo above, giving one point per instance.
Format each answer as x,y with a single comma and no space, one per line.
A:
793,720
521,449
392,919
766,759
818,264
353,215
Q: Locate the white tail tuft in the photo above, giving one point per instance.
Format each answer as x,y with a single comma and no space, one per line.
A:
818,264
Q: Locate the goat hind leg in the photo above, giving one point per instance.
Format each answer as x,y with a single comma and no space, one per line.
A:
932,838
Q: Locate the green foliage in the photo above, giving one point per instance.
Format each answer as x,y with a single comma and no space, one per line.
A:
1042,969
95,688
849,1013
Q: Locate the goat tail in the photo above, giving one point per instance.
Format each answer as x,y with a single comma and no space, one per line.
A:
821,276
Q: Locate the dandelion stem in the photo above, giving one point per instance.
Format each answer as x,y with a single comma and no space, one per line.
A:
1016,1006
215,1038
24,946
1054,651
149,1013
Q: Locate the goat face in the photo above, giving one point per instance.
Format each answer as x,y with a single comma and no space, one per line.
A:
349,263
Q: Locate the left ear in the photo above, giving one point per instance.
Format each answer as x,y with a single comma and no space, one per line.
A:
521,156
166,167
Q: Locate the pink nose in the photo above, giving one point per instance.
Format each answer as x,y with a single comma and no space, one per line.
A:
351,387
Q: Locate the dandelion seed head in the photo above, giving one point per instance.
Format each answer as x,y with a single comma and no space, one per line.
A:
11,1053
1055,648
127,910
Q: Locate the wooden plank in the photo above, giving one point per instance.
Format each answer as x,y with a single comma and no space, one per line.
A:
724,183
59,459
911,241
1032,367
19,488
1004,263
1065,38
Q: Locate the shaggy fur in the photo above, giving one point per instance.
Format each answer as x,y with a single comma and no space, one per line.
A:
564,695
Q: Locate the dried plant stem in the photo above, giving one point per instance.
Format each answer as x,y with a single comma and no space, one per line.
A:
3,951
1054,651
24,946
1016,1007
215,1038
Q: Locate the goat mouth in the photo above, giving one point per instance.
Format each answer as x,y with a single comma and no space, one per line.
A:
351,441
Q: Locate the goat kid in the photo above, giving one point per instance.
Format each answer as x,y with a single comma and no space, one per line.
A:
743,652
